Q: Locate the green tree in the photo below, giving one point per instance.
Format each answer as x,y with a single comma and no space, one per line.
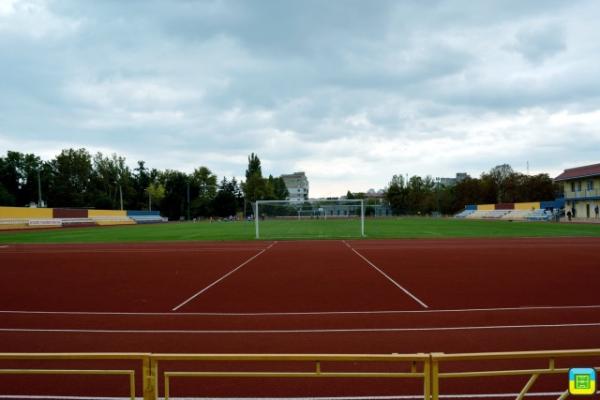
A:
280,190
6,198
174,202
111,179
255,186
203,191
254,167
156,193
141,179
226,201
72,170
19,177
396,195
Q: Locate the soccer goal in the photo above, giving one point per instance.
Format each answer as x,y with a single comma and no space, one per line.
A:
285,219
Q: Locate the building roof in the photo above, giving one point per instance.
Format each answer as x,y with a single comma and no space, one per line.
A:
579,172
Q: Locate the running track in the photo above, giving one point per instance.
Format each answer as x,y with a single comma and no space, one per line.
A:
367,296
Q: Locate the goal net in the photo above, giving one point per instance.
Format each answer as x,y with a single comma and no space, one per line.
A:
309,219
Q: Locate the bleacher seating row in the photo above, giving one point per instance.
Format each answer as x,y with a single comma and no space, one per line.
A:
513,215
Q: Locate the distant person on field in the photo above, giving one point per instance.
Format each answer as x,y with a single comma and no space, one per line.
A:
597,211
569,215
573,211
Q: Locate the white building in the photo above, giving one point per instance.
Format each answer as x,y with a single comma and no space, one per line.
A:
297,186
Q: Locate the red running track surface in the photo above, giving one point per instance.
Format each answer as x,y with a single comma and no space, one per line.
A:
298,297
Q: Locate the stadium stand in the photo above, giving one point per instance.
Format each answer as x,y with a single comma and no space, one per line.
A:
495,214
539,215
26,217
464,213
110,217
529,211
145,217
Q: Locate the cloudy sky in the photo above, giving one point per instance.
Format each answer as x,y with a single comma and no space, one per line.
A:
351,92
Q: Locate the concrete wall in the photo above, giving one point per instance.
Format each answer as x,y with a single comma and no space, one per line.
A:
534,205
107,213
25,213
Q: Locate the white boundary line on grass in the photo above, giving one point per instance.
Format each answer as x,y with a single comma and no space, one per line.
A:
221,278
298,313
297,331
399,286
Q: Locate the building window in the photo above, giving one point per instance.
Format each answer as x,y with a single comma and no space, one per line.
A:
578,186
572,186
590,184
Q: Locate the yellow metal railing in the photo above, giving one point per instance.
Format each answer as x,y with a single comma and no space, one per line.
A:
462,372
430,368
142,357
415,371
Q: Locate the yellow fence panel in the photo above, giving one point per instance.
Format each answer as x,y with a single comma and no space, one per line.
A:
106,213
527,206
469,365
25,212
486,207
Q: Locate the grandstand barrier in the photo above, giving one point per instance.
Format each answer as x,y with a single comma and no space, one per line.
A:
486,207
69,213
504,206
471,207
106,213
25,213
49,222
528,206
432,369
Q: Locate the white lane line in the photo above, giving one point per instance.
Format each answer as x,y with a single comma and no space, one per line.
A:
399,286
221,278
277,331
299,313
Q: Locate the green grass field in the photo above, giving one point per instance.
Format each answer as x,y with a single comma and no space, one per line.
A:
375,228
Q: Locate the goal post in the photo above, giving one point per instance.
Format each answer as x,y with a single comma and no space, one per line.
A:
312,218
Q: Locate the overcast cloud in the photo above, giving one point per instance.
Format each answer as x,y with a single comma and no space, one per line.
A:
351,92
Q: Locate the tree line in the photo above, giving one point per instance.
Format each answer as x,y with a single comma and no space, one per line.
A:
501,184
76,178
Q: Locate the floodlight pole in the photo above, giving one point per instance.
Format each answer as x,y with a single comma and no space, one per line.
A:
256,219
39,188
121,196
362,218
